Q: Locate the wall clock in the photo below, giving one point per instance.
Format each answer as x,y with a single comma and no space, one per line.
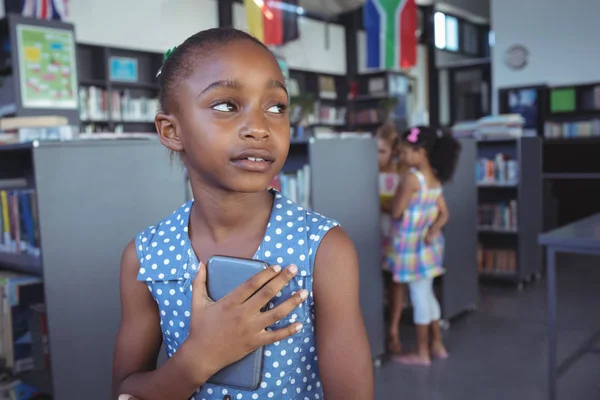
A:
516,57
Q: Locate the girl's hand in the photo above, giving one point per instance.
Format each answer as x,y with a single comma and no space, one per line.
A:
127,397
431,234
225,331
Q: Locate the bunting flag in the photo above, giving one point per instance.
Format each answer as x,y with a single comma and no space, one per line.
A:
273,22
41,9
391,27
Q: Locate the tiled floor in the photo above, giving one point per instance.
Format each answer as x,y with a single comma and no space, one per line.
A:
500,351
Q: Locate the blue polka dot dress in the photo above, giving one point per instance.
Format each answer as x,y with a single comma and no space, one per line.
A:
293,234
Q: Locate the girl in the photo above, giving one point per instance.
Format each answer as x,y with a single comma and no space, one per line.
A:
387,140
224,112
419,213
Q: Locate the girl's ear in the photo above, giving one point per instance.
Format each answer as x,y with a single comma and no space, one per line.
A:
168,132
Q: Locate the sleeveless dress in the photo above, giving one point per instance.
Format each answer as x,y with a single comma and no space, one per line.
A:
388,181
409,258
168,265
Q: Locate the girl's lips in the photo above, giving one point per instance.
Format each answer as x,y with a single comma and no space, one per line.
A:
252,164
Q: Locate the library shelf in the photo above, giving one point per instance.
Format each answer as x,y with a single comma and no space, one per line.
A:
571,175
495,230
509,182
21,262
89,206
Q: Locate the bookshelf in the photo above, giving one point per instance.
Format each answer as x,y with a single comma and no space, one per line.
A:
378,97
567,117
571,147
118,89
508,176
326,94
459,287
84,219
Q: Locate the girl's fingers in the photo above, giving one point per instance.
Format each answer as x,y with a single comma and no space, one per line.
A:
274,286
283,310
270,337
127,397
240,294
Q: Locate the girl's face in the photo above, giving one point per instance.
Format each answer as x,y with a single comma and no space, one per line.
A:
412,156
231,119
385,153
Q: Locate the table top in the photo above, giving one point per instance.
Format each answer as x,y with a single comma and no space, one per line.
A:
584,234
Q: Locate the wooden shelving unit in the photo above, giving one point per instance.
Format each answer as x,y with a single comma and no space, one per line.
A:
509,215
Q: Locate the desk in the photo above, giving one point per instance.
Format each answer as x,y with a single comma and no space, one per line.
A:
580,237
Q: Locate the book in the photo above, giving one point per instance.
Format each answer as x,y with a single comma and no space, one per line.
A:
19,222
496,260
502,170
15,123
501,216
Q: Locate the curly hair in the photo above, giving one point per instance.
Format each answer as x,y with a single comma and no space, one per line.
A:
441,147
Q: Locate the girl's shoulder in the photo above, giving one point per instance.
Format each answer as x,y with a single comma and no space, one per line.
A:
292,222
166,233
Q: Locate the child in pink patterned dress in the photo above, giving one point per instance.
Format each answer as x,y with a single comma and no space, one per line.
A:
419,213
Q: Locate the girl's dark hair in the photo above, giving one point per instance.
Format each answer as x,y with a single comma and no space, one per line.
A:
441,147
179,62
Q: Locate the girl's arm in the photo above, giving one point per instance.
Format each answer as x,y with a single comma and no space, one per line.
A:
138,343
407,186
440,221
442,217
342,344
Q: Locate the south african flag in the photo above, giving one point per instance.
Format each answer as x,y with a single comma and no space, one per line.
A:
391,27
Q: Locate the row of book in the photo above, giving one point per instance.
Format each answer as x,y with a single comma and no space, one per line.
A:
23,327
322,114
367,117
295,186
96,104
43,127
493,126
326,87
19,222
496,260
501,216
569,130
501,170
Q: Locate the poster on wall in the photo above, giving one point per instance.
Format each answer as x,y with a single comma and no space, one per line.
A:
47,67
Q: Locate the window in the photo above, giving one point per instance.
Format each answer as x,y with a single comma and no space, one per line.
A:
446,31
451,33
470,39
439,24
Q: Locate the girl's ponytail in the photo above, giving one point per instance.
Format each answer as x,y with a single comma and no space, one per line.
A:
443,155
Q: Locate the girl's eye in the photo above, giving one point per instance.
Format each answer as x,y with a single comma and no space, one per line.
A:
224,107
277,109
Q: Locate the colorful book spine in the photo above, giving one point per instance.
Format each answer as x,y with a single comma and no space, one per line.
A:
19,222
498,216
500,170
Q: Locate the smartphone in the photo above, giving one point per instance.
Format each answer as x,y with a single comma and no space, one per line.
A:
223,275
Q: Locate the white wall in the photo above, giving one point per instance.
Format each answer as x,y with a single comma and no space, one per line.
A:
562,38
310,51
151,25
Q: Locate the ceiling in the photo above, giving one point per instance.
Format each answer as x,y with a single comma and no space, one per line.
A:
330,8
